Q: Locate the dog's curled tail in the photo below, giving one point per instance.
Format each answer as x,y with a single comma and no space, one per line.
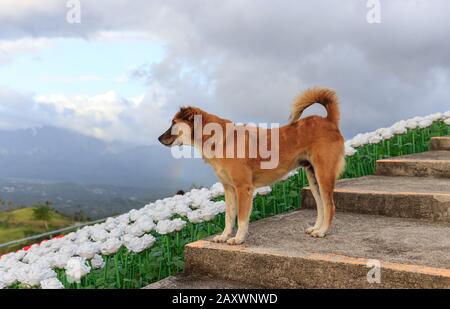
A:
324,96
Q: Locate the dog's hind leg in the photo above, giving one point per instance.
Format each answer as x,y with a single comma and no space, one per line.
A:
315,192
326,181
230,215
245,202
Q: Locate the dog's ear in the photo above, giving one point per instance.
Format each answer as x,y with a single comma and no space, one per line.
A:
187,113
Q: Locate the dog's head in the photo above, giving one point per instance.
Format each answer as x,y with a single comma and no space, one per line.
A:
181,131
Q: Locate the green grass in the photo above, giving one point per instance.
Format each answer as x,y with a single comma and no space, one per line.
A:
414,141
20,223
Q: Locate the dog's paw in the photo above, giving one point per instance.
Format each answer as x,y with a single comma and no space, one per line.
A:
318,234
309,230
220,238
235,241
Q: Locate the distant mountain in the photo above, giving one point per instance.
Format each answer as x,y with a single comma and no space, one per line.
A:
66,161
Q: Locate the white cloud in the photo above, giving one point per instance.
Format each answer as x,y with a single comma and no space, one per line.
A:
247,59
19,9
9,49
107,116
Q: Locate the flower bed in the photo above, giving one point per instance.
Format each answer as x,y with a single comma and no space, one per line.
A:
146,245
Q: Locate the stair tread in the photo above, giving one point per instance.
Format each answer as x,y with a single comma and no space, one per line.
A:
184,281
395,240
395,184
434,155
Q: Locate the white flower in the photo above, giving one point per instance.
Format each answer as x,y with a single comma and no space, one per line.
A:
118,231
71,236
97,262
399,127
434,117
51,283
164,227
145,223
160,214
178,224
447,121
386,133
446,114
60,260
425,123
349,150
76,268
264,190
99,234
88,250
133,214
138,244
32,275
30,258
68,248
182,209
168,226
375,139
110,224
134,230
110,246
7,278
411,124
217,189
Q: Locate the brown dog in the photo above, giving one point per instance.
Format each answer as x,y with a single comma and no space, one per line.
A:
314,143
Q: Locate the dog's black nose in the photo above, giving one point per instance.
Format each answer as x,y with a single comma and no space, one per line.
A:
160,139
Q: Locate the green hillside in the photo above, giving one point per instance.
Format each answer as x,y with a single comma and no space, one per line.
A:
20,223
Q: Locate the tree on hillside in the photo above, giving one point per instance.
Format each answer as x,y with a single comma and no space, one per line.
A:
42,212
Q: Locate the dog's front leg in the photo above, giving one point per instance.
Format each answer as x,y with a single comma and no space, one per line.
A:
244,202
230,215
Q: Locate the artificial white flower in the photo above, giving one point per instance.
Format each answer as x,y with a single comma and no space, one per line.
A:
164,227
399,127
411,124
349,150
139,244
76,268
182,209
99,234
88,250
51,283
375,139
134,230
97,262
264,190
32,275
60,260
133,214
425,123
110,246
118,231
7,278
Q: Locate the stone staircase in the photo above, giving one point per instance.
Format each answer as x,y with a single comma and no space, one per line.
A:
398,219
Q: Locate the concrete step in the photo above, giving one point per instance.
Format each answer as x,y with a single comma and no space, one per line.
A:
427,164
440,143
404,197
193,281
278,254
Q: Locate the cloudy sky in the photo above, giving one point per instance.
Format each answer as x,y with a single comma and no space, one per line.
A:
123,70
